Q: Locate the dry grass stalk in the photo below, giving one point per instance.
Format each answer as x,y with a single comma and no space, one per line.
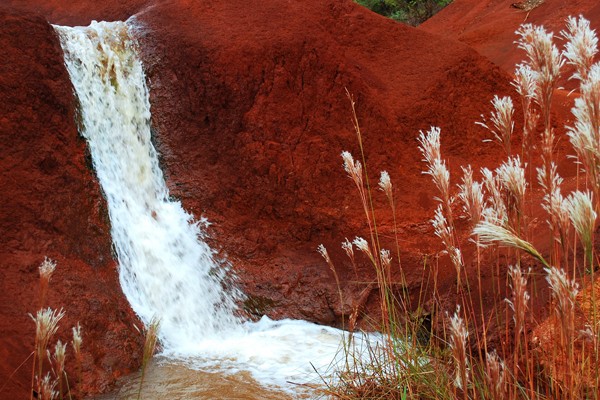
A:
491,231
583,218
436,167
525,83
458,345
581,46
443,222
564,293
385,184
46,324
347,246
471,195
497,206
546,61
323,252
46,269
585,134
511,177
445,231
60,352
520,298
495,376
76,343
555,204
502,121
150,345
47,387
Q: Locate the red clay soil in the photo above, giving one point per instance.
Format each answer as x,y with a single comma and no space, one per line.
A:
489,25
52,206
250,118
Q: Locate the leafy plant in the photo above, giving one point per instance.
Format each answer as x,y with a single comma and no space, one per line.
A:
412,12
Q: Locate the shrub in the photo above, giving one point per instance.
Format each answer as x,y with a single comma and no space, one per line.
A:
412,12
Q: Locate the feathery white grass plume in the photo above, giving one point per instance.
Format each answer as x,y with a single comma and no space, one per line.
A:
386,259
581,46
520,298
60,352
77,340
491,231
458,345
323,252
563,289
436,167
47,387
363,246
46,325
493,187
444,231
46,268
542,55
441,227
511,176
554,202
471,194
353,168
585,134
347,246
385,184
564,292
590,335
525,83
583,217
544,58
502,121
430,144
495,376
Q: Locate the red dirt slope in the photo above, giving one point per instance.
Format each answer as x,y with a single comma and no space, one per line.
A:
52,206
489,25
251,116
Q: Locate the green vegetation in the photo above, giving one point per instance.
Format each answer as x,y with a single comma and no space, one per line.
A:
552,359
412,12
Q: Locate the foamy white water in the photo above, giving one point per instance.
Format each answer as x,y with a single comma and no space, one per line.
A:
165,268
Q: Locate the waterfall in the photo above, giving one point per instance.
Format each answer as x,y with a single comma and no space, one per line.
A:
166,270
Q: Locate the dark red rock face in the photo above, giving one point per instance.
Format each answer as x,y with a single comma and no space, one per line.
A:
251,116
52,206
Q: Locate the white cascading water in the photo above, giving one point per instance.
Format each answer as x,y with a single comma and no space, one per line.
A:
166,270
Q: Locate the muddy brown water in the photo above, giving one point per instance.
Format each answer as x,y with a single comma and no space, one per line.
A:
168,380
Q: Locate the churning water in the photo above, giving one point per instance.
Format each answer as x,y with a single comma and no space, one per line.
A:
166,270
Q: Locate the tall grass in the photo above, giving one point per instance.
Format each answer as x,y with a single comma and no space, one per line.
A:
528,359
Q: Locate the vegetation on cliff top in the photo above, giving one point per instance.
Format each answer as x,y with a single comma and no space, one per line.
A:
412,12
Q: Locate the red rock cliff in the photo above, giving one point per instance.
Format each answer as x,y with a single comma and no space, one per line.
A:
52,206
